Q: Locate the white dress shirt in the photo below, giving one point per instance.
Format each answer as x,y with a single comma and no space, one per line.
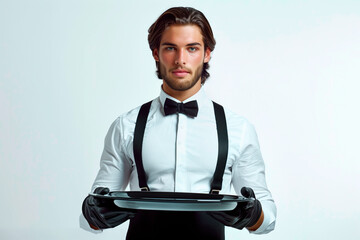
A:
180,154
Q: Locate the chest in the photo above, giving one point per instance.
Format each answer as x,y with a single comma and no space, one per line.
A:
178,143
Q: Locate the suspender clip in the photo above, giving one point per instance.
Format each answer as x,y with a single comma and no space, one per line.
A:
144,189
215,191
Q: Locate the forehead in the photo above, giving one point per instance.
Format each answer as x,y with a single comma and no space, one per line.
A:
182,34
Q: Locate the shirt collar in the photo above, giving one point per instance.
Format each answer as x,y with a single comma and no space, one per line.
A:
200,97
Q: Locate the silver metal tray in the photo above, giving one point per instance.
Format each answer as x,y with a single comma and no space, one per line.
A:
173,201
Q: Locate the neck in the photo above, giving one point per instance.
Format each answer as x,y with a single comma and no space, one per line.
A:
181,95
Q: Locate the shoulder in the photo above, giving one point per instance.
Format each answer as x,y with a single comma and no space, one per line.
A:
128,119
234,119
243,138
240,128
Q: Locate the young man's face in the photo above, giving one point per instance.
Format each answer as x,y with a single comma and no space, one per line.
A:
181,56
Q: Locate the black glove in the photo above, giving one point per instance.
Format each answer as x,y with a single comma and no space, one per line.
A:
103,213
245,214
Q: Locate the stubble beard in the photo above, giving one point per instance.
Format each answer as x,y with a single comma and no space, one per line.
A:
178,85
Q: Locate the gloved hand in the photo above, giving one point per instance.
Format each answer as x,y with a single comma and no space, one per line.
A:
103,213
245,214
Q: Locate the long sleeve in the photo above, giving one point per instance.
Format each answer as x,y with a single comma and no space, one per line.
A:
115,167
249,171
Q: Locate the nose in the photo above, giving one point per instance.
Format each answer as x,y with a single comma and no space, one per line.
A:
180,57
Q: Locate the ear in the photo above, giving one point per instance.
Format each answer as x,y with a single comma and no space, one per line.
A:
207,55
155,54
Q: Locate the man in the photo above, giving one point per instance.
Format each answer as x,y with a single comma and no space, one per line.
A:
181,146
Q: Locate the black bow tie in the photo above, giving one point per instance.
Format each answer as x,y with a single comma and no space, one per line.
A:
189,109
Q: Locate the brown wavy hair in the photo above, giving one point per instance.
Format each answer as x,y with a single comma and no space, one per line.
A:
182,16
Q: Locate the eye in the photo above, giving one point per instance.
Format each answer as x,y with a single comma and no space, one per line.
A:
169,48
192,49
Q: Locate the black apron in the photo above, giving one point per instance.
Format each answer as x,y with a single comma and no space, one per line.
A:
174,225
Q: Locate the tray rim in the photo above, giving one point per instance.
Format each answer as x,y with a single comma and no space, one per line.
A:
226,197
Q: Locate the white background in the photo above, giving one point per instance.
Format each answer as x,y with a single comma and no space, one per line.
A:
69,68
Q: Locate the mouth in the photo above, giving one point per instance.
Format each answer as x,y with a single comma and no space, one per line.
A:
180,72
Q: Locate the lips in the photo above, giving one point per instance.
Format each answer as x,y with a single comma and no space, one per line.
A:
180,72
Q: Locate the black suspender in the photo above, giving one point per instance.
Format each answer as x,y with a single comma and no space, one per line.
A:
141,120
137,144
223,146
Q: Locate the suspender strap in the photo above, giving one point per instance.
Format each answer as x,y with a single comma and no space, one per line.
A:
137,144
223,143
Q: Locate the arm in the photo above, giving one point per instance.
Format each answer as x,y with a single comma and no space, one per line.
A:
249,171
114,174
115,167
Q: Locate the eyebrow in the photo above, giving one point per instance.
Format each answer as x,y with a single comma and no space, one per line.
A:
174,45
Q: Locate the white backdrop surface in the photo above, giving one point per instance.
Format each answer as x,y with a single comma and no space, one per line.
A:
69,68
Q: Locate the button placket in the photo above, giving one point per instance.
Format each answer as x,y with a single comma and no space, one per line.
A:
180,170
